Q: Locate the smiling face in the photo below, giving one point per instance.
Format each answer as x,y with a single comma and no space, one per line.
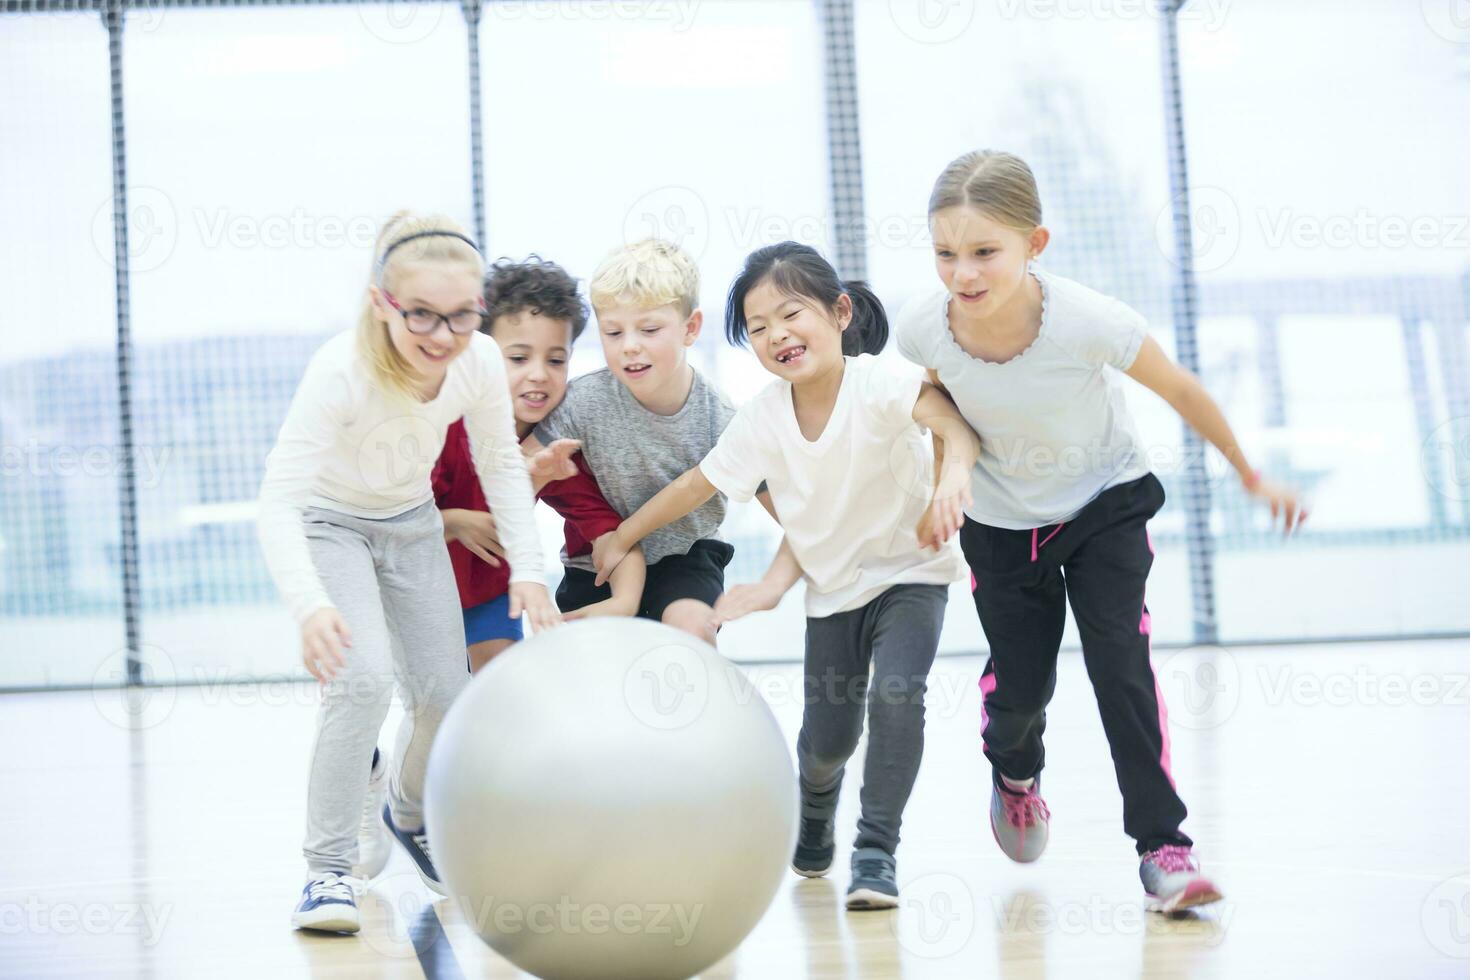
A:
981,261
536,349
645,349
438,287
795,338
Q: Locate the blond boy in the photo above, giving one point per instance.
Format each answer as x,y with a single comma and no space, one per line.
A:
643,421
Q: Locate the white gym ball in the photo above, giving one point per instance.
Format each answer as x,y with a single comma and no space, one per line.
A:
611,799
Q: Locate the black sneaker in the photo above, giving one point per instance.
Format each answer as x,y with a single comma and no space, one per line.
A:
814,848
874,880
328,904
416,843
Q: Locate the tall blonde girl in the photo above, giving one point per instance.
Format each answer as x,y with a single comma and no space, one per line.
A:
1061,495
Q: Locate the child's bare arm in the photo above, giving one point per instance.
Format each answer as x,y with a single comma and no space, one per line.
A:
956,447
679,498
627,590
741,600
1187,396
627,582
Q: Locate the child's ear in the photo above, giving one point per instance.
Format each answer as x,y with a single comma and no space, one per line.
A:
381,309
844,311
1038,240
691,327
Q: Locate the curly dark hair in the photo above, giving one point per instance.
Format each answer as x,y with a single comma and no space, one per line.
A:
533,284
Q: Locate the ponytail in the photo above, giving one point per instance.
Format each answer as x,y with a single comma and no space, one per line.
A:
868,331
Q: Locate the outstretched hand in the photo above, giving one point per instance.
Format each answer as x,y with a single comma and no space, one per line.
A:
554,462
741,600
1284,502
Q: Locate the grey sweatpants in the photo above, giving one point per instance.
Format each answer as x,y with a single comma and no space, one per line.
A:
393,585
898,634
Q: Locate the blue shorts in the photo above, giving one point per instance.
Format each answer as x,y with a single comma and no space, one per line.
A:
491,621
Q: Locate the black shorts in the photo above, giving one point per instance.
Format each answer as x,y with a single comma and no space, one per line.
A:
697,575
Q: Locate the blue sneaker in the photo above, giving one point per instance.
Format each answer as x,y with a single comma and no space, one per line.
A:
874,880
416,843
328,904
814,848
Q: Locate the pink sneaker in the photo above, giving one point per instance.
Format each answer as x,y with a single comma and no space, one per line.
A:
1172,879
1019,820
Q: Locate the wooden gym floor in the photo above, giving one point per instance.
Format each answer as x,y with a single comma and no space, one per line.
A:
1328,789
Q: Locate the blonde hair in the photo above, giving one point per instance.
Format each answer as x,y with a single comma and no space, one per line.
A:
998,183
650,274
386,366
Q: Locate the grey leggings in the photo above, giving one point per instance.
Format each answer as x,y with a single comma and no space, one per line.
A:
393,585
897,633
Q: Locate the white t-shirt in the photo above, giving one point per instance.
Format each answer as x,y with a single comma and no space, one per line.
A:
1053,422
349,447
848,501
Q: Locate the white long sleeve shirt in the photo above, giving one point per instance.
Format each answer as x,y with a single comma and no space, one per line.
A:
349,447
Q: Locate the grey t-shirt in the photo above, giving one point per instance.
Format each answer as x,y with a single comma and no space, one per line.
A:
635,453
1053,421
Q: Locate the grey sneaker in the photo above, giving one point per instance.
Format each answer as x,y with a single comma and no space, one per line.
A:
874,880
814,848
328,904
1172,879
1019,820
416,843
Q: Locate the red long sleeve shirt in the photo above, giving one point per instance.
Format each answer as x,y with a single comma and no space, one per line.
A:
577,499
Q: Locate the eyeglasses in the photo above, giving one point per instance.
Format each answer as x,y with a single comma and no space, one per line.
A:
424,322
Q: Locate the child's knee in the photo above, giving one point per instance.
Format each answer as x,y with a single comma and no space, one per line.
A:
691,616
365,678
433,692
826,747
363,697
896,702
480,654
1017,701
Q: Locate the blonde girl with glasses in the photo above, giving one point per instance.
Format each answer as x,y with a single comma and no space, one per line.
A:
355,543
